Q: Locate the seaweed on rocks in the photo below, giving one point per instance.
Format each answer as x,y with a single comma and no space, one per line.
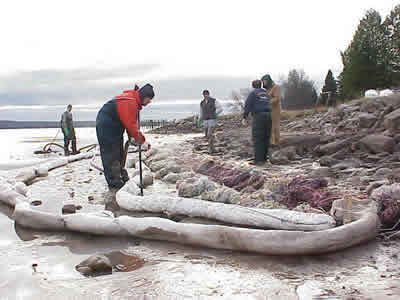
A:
231,177
304,190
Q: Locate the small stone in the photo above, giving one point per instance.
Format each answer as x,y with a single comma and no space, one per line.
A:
68,209
95,265
90,198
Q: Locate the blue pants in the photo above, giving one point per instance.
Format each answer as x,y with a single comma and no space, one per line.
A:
111,157
261,131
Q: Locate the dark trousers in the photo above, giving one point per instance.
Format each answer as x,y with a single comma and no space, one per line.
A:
67,138
111,157
261,131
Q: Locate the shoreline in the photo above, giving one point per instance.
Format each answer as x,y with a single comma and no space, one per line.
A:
368,270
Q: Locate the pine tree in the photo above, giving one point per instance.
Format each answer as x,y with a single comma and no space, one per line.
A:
365,59
329,89
392,34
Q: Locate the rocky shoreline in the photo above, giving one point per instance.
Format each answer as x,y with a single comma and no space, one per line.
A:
323,156
355,148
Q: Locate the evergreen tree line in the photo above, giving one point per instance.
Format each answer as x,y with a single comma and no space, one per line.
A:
372,60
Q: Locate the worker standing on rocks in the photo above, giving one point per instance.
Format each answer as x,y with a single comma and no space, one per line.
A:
258,104
67,127
274,92
114,117
209,110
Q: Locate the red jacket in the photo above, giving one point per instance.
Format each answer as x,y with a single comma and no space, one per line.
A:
128,106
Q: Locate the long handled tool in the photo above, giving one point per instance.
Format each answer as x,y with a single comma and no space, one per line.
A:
140,158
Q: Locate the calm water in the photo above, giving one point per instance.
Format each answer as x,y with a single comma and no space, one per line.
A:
19,144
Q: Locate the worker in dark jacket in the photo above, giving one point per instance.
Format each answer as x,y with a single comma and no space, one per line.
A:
67,127
114,117
257,103
209,110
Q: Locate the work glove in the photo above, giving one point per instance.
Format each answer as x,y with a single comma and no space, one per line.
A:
139,141
245,122
146,146
133,142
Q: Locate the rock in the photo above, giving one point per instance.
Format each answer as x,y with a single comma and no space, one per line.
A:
289,152
68,209
371,106
397,138
355,180
392,121
90,198
161,173
365,180
158,165
172,178
377,143
372,158
333,147
374,185
302,143
147,179
367,120
322,172
382,172
279,158
160,156
193,187
347,164
341,154
223,195
95,265
328,161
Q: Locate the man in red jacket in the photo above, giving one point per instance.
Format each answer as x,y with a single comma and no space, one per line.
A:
114,117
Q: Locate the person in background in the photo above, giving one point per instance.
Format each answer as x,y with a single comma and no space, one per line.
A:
113,118
209,110
274,92
67,127
257,103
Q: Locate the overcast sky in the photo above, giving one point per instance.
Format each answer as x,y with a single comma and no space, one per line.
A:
86,51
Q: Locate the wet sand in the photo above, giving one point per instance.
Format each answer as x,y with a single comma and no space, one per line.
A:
171,270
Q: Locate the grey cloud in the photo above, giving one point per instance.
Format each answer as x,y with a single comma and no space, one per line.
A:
55,86
80,86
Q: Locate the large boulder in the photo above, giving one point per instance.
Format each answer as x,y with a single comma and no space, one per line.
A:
95,265
222,195
302,143
172,178
147,178
193,187
377,143
392,121
332,147
322,172
372,106
367,120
